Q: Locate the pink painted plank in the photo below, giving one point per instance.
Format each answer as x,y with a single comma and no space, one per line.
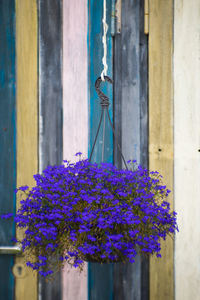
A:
74,284
75,112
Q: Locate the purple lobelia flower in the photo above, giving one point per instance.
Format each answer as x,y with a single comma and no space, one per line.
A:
96,212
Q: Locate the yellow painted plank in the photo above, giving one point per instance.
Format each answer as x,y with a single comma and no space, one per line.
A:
161,130
27,120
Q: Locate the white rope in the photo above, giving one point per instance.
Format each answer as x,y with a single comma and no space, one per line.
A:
105,30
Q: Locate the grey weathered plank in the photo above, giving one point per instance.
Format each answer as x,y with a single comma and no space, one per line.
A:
50,78
131,281
50,94
144,140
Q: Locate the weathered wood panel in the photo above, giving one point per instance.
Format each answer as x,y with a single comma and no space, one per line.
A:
27,119
75,129
161,130
50,104
75,112
50,82
95,54
7,140
131,281
100,276
187,148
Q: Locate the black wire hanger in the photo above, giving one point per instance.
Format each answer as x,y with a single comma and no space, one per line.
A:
104,111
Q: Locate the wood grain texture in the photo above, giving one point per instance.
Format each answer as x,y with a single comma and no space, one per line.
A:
75,112
100,281
100,277
27,119
95,54
7,141
161,130
131,281
186,147
50,82
50,105
75,92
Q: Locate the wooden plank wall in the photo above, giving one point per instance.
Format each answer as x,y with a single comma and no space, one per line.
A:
187,147
50,105
100,277
75,112
7,140
161,130
27,120
131,281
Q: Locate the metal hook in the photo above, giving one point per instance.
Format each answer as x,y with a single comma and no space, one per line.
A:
104,99
104,108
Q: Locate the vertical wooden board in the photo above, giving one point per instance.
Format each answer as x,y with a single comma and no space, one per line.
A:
143,98
127,280
75,112
50,82
186,148
161,130
27,119
130,69
7,140
95,54
50,104
131,281
75,95
100,277
100,281
144,136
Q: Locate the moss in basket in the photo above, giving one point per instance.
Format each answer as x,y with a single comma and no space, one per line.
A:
96,212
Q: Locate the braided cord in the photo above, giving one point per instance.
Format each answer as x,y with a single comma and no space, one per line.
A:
105,30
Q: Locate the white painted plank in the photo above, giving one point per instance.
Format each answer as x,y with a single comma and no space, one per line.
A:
187,143
75,112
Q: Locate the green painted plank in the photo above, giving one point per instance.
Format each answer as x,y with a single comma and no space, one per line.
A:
100,277
7,140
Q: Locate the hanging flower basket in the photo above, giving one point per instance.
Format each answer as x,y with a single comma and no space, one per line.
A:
93,212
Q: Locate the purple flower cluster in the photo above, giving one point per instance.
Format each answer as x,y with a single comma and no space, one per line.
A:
93,212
